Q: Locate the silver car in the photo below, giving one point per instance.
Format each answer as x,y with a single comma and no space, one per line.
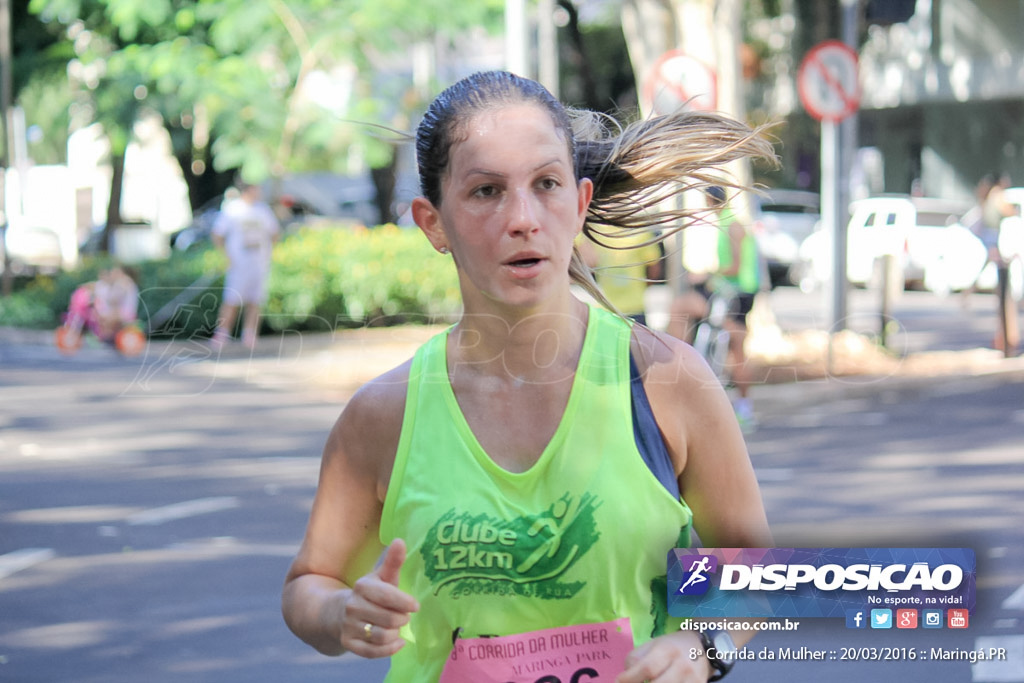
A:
32,250
783,219
922,235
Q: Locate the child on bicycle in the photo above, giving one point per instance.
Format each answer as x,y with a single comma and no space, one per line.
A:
105,307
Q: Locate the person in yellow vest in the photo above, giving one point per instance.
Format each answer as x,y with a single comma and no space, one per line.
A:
484,491
624,266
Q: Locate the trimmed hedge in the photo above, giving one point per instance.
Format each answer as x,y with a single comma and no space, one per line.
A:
322,278
357,276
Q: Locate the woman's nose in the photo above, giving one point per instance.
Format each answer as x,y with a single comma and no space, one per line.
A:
522,213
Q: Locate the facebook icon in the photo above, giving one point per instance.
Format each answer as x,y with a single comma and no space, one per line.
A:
855,618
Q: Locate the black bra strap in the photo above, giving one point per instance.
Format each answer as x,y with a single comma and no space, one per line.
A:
647,435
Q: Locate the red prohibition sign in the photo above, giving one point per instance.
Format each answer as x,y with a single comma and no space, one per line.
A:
678,80
827,81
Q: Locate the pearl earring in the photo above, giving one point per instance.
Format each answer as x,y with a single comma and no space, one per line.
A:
443,250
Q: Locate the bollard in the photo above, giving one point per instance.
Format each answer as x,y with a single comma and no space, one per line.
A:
883,322
1005,306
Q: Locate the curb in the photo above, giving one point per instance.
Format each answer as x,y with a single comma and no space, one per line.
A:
395,345
775,399
19,335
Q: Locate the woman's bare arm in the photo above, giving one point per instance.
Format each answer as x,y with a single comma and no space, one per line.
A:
716,480
321,603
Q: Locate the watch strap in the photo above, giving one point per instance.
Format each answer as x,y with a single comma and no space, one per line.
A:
721,666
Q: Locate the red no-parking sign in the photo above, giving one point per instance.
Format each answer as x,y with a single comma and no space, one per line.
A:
678,80
827,81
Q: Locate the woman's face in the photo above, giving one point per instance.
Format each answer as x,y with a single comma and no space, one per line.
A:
510,208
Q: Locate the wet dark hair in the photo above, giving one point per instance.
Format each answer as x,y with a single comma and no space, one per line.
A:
636,169
444,122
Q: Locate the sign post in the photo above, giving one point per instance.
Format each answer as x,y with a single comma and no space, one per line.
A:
677,81
829,89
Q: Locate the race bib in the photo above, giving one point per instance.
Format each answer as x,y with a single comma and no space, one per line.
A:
590,653
253,233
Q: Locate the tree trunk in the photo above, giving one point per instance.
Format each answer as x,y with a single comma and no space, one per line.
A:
384,180
727,20
650,30
114,205
206,185
578,57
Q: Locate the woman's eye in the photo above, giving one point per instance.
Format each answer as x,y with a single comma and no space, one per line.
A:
485,191
549,183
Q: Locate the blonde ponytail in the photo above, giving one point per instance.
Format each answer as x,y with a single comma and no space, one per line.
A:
639,170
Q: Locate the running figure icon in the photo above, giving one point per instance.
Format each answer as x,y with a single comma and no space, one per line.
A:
697,573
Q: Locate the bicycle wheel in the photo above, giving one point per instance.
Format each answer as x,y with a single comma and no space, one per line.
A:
130,341
712,343
718,353
68,339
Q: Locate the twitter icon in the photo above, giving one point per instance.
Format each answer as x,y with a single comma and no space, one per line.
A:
881,618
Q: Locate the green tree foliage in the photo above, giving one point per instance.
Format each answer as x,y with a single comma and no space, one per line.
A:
38,75
265,87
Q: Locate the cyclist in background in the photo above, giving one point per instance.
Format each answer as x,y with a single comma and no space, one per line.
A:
738,276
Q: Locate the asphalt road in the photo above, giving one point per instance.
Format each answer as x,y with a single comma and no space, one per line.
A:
915,321
928,465
149,509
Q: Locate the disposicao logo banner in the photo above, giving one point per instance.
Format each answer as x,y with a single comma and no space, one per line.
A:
816,582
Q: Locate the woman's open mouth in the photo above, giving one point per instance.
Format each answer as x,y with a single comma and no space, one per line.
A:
524,262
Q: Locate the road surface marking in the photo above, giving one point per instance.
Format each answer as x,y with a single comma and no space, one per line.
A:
766,474
999,670
188,508
1016,599
23,559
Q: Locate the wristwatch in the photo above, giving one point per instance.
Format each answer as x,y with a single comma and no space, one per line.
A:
720,650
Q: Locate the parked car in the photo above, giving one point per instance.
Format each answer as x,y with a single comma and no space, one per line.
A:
307,199
91,244
783,219
1011,234
1011,248
199,231
923,235
31,250
963,261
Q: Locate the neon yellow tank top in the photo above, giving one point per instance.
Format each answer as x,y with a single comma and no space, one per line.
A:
748,279
493,552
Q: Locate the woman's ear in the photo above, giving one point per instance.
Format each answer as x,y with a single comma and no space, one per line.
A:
427,217
585,191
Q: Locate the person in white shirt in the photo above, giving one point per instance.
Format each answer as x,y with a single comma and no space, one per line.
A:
246,230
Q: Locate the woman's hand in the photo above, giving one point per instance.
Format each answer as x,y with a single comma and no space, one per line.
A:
374,608
673,658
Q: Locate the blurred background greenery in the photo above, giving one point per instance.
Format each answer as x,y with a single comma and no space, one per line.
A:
277,90
321,280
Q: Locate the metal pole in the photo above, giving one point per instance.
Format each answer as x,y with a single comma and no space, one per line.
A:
6,90
844,149
547,46
831,217
515,37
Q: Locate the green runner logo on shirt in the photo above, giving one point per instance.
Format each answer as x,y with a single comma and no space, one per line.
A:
480,554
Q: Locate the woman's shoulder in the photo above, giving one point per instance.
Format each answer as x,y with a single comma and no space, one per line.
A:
677,379
688,401
664,359
382,399
367,431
